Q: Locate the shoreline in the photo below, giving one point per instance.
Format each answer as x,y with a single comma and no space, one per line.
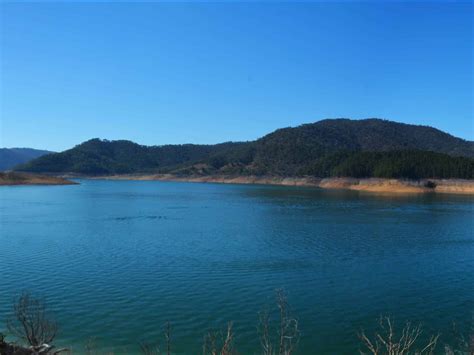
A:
376,185
22,179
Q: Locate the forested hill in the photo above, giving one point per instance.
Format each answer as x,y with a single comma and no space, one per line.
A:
9,157
370,135
333,147
98,156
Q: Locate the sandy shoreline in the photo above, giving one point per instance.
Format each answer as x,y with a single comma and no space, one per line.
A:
15,178
450,186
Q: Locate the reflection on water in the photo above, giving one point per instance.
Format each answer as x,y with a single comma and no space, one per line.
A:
116,259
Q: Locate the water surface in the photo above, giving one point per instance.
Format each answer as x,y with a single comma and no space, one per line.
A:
117,259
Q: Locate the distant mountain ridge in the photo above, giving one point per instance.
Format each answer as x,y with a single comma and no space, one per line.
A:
331,147
9,157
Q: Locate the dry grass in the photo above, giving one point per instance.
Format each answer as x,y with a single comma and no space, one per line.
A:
219,343
155,349
285,340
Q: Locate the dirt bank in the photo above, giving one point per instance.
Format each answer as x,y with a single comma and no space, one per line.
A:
14,178
454,186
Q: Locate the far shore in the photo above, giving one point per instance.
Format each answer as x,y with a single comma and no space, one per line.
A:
377,185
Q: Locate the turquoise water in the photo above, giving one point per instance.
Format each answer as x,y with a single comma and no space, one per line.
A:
117,259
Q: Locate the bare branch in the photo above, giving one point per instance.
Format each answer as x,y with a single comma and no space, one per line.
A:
387,342
218,343
31,322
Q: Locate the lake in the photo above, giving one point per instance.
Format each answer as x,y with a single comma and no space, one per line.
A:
115,260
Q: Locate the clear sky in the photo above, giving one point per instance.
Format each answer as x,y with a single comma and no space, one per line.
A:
159,73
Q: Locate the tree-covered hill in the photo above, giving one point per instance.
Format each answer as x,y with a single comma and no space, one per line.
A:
374,135
287,148
333,147
395,164
98,156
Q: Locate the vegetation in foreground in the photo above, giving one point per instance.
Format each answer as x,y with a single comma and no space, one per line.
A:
35,332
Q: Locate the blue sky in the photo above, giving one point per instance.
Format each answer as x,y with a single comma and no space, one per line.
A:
159,73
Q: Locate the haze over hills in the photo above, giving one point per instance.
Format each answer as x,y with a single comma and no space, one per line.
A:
332,147
9,157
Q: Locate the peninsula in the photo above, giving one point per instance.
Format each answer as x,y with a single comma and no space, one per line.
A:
16,178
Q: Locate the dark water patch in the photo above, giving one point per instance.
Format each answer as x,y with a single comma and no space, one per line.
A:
129,218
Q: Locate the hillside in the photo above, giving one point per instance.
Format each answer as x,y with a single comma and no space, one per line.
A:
289,149
9,157
333,147
98,156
